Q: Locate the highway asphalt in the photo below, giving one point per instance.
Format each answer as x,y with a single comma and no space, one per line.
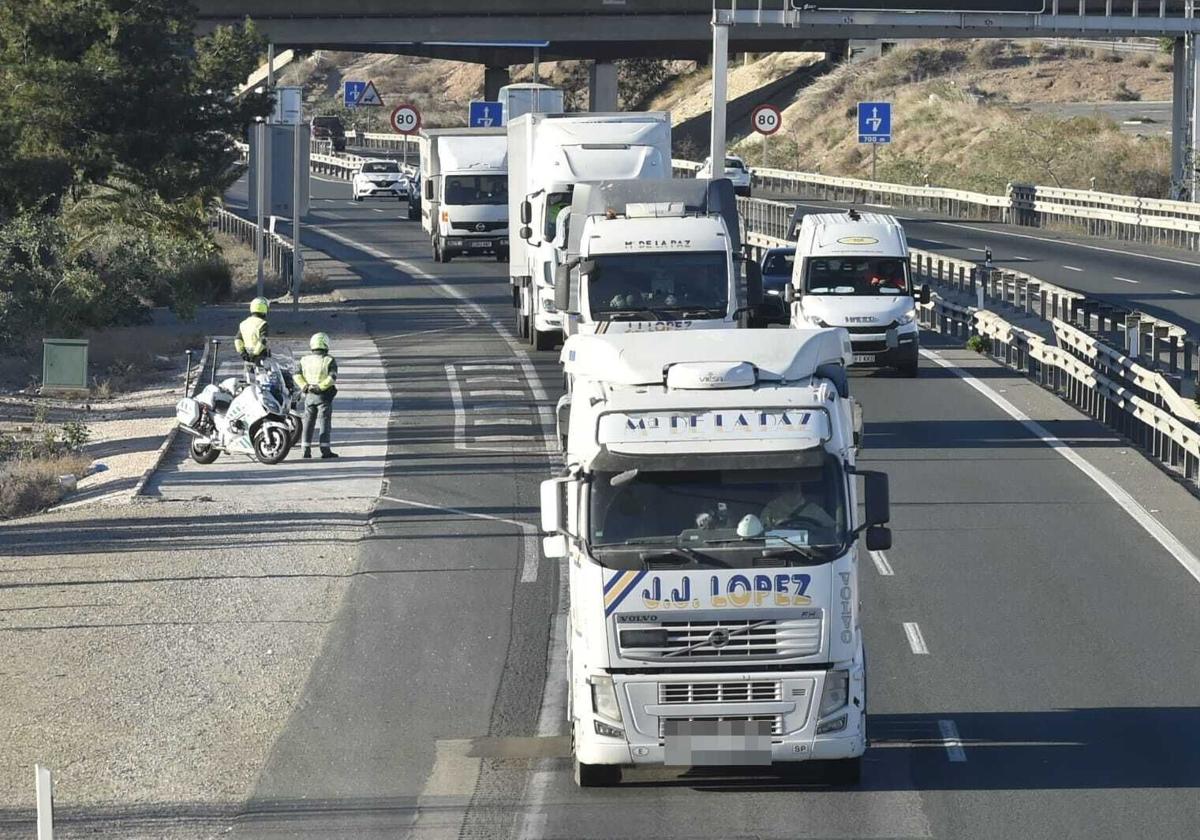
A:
1033,650
1164,282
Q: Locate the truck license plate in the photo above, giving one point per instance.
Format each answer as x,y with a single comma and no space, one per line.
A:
697,743
864,358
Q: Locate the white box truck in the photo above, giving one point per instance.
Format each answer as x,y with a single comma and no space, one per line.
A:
647,256
528,98
851,270
548,155
709,517
464,188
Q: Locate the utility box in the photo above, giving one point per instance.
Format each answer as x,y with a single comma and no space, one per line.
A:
65,364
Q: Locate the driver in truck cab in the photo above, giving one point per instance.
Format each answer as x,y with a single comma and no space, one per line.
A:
888,274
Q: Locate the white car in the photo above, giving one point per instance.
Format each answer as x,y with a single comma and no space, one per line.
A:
381,179
735,170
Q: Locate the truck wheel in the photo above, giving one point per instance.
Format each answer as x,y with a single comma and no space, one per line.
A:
501,257
596,775
203,453
844,772
522,323
541,340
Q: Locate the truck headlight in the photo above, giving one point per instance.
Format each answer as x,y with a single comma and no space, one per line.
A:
908,317
604,697
836,692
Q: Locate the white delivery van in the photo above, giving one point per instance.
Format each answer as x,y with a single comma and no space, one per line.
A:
851,270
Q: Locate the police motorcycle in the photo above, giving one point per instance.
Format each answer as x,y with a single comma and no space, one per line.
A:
239,417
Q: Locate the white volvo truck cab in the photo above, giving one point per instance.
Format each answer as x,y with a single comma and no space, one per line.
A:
708,517
548,155
852,270
653,256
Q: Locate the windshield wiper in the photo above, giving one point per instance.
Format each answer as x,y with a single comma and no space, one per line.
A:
635,315
691,311
677,551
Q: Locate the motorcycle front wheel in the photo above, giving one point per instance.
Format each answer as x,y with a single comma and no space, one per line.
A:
203,453
271,445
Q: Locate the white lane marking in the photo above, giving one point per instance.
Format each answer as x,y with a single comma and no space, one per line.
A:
1118,494
1180,292
1126,280
551,717
486,367
951,741
399,336
329,180
1022,259
1072,268
999,232
978,250
475,380
881,563
503,421
915,640
497,393
469,514
460,415
446,795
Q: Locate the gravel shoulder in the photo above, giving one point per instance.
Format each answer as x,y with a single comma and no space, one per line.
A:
151,651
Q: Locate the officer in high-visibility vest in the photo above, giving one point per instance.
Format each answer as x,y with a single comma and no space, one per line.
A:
318,378
251,339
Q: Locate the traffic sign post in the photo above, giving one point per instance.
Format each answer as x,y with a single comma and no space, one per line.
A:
406,119
874,126
485,114
767,120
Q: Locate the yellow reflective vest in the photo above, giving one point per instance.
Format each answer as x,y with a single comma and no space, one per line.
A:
318,371
252,337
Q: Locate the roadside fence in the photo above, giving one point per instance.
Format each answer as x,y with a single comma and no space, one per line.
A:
277,249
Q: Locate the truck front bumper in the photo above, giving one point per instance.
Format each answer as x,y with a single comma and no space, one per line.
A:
791,717
475,244
885,350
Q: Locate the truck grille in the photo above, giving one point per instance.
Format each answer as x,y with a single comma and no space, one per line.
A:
871,329
745,639
477,227
719,692
775,722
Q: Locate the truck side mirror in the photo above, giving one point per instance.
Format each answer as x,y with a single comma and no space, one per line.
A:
879,538
789,294
925,294
562,287
525,232
554,505
754,288
526,213
429,190
875,486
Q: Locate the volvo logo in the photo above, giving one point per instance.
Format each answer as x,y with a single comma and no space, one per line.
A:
481,227
719,637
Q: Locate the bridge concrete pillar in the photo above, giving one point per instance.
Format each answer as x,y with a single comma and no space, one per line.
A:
1179,116
494,78
602,86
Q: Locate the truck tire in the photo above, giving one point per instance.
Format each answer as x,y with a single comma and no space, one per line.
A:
596,775
541,340
522,325
844,772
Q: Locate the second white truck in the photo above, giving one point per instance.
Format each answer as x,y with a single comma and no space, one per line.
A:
548,155
464,189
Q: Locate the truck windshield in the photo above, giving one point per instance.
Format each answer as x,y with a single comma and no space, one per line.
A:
476,189
695,284
804,505
857,276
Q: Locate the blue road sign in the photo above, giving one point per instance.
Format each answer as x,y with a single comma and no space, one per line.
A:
353,92
486,115
874,122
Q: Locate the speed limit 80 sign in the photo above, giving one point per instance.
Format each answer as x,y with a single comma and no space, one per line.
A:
766,119
406,119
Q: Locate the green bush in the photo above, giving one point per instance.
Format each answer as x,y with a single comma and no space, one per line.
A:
977,343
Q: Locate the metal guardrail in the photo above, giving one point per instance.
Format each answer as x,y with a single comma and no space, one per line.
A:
1130,218
378,140
1108,384
277,249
